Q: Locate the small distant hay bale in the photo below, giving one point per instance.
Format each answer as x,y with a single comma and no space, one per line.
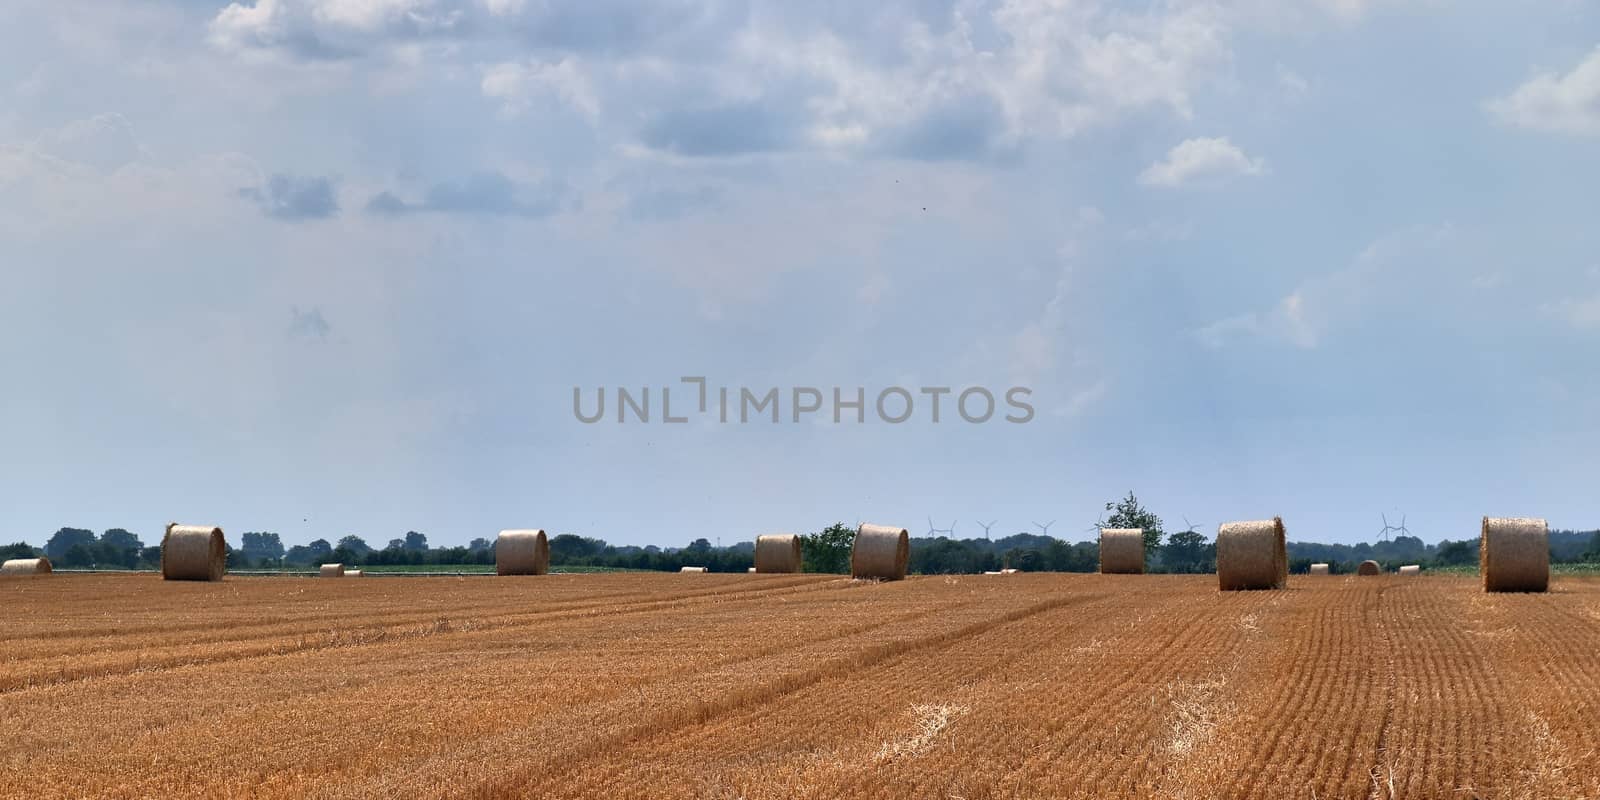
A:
1252,555
352,573
1514,554
522,552
881,552
750,569
695,570
1369,567
1319,569
193,553
26,566
1411,569
1010,571
1122,551
331,571
777,552
993,572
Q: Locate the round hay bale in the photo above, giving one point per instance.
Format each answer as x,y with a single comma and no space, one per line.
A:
778,552
993,572
193,553
331,571
26,566
1010,571
694,570
522,552
1252,555
1411,569
1319,569
1514,554
352,573
750,569
1122,551
1369,567
880,551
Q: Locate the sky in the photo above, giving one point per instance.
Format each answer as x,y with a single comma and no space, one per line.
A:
329,267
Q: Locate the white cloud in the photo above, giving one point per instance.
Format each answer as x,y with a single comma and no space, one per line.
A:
1556,103
1582,313
1292,83
1396,274
1201,160
518,84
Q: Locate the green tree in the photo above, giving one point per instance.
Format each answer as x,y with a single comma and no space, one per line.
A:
65,539
827,550
416,541
1127,513
18,550
1188,552
258,545
1592,555
1456,553
354,545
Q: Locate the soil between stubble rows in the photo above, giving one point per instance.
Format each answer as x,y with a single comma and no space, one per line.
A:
746,686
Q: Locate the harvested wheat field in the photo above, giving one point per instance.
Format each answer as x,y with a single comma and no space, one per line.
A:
798,686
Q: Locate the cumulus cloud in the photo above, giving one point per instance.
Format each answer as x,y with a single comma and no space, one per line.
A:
968,81
103,142
728,130
1201,161
484,194
1394,274
328,29
517,85
1556,103
292,198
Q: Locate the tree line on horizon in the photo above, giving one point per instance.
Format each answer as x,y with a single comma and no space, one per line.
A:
824,551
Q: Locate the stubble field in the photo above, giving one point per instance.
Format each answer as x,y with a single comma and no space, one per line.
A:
746,686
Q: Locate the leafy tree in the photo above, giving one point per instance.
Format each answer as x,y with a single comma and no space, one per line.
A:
18,550
63,540
479,544
320,547
416,541
299,554
1593,553
78,555
569,548
354,545
1189,552
121,539
827,550
260,545
1457,553
1127,513
395,544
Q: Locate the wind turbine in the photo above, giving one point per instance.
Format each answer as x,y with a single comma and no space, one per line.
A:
1044,530
1383,536
986,526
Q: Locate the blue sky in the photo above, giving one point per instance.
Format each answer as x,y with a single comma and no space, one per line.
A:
335,266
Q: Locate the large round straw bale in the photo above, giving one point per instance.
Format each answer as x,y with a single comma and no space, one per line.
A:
880,551
331,571
522,552
1411,569
26,566
1122,551
778,552
1319,569
695,570
1252,555
1369,567
352,573
193,553
1514,554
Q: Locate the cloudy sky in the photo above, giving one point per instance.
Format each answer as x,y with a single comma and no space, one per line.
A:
335,266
